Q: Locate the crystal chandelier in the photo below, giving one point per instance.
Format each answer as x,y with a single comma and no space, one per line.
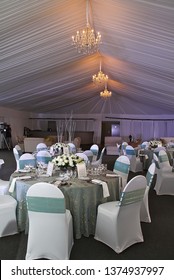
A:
106,93
100,78
86,41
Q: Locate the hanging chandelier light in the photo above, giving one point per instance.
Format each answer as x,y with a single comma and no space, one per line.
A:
100,77
86,41
106,93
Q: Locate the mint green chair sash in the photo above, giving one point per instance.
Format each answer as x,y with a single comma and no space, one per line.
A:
131,197
43,159
45,204
122,167
95,152
163,158
149,178
24,162
130,152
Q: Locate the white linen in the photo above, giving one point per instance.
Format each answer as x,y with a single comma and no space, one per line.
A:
13,183
104,186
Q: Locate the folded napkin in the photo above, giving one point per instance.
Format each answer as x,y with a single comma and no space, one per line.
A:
112,175
104,185
12,185
57,183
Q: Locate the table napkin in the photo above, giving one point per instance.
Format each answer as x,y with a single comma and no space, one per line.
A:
104,186
112,175
12,185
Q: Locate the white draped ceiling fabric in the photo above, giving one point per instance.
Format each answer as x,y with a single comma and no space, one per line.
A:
41,72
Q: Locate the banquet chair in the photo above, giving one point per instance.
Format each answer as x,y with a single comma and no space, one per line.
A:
16,156
43,157
72,148
8,223
89,154
118,222
121,167
4,185
50,233
99,161
156,150
144,145
164,180
164,160
27,159
18,148
41,147
135,163
95,150
82,155
123,148
144,212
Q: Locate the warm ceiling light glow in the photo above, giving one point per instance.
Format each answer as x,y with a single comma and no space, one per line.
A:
100,77
106,93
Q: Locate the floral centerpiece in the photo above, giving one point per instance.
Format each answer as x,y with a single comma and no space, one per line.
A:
155,144
57,148
65,161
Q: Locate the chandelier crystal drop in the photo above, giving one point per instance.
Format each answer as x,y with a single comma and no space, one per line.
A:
106,93
100,77
86,41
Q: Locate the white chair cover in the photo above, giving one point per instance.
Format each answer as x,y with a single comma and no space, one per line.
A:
27,159
118,222
50,224
144,145
8,224
89,154
135,164
144,212
17,156
18,148
4,185
164,160
72,148
99,161
82,155
43,156
41,147
165,179
121,167
156,150
123,148
95,150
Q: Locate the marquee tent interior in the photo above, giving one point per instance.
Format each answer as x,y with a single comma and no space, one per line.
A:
38,62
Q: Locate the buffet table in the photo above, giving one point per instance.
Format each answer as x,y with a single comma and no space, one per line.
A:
82,199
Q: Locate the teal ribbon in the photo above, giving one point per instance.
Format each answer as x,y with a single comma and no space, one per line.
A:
131,197
131,152
163,158
122,167
149,178
43,159
95,152
45,204
24,162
